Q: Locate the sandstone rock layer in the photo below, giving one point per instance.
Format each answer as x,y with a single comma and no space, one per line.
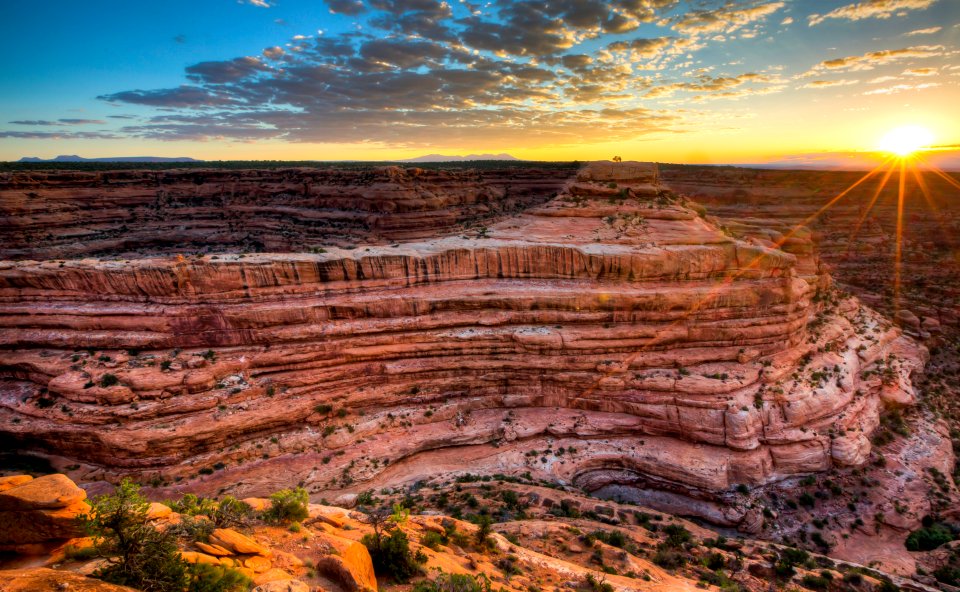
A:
611,337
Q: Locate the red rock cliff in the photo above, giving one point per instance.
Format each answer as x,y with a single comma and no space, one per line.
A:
611,338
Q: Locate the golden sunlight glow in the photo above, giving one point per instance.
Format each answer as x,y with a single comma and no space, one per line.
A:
906,140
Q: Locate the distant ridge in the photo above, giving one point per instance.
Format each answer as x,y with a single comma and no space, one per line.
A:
446,158
75,158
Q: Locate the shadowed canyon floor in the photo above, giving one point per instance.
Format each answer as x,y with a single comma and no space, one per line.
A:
592,329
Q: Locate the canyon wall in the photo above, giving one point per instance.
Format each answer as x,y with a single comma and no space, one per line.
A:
856,234
610,337
50,215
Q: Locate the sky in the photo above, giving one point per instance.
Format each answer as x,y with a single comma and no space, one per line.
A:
754,81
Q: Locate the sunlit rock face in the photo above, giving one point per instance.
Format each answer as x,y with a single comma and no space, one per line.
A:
611,338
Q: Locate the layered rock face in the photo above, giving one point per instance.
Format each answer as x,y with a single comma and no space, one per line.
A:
132,213
611,338
856,234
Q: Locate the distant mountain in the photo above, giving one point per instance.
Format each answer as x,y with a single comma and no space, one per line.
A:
75,158
446,158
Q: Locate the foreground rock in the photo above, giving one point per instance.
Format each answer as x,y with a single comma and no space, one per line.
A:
552,538
41,510
612,338
49,580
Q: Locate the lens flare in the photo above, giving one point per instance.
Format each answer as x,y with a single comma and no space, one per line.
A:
904,141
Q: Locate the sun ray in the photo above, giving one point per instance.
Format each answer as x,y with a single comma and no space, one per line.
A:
928,196
933,168
898,255
869,208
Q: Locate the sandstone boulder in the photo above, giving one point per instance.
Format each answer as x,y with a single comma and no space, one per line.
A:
47,492
215,550
158,511
232,540
40,510
194,557
348,563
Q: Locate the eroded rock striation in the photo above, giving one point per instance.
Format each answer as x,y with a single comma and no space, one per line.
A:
612,338
48,215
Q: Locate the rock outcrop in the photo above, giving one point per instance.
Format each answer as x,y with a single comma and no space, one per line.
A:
50,580
611,338
35,511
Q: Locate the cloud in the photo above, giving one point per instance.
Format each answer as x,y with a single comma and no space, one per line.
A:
920,72
720,87
260,3
872,59
183,96
225,71
728,19
66,121
828,83
38,135
74,121
898,88
433,73
880,9
180,39
351,7
929,31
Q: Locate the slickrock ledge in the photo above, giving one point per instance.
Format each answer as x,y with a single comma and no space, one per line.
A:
610,338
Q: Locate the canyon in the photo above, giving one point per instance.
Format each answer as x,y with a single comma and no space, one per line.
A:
605,319
598,328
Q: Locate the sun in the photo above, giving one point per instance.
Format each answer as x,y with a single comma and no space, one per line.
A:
905,140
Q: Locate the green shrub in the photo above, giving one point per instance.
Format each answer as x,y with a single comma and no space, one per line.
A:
455,583
929,537
392,556
669,559
192,505
204,577
599,585
231,513
815,582
677,535
194,529
948,574
108,380
288,505
432,540
483,532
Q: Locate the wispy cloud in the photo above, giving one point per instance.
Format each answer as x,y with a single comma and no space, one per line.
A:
929,31
879,9
65,121
899,88
872,59
828,83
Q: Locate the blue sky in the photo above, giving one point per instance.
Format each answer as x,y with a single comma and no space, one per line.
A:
393,78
